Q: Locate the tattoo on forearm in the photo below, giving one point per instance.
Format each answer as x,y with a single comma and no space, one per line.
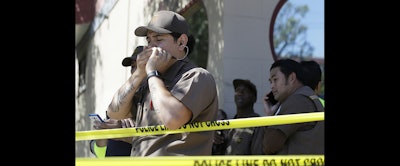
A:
121,97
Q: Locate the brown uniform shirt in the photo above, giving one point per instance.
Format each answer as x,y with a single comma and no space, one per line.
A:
193,86
302,138
245,141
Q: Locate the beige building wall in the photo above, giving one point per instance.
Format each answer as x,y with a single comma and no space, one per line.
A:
246,53
238,48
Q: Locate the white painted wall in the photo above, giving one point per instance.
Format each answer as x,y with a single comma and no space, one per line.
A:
244,51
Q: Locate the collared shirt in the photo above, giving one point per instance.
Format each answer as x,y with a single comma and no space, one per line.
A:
245,141
302,138
195,87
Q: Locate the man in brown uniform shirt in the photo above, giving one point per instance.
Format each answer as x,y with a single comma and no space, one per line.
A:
245,141
175,91
288,89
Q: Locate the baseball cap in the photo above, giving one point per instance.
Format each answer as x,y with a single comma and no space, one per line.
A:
248,83
165,22
128,60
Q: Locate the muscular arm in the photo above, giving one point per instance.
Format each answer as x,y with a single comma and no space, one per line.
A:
121,103
171,111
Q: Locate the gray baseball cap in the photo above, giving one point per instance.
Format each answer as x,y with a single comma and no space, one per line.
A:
165,22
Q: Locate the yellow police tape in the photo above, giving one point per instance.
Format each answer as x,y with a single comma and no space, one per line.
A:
245,160
200,126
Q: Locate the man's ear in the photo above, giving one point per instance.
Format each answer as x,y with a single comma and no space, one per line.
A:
182,40
292,77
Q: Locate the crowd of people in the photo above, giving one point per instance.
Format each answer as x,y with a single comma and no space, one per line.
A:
166,88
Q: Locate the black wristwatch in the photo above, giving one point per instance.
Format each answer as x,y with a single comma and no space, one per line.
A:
153,73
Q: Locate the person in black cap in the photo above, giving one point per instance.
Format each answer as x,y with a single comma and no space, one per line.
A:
245,141
175,92
116,147
128,61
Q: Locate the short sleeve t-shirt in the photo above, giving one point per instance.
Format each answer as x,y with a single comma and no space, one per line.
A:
245,141
193,86
303,138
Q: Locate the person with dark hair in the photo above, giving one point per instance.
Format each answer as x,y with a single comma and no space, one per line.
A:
220,138
116,147
245,141
313,76
287,85
175,91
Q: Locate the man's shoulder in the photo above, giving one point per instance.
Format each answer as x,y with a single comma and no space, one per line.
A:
297,102
304,90
202,73
297,98
302,93
200,69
